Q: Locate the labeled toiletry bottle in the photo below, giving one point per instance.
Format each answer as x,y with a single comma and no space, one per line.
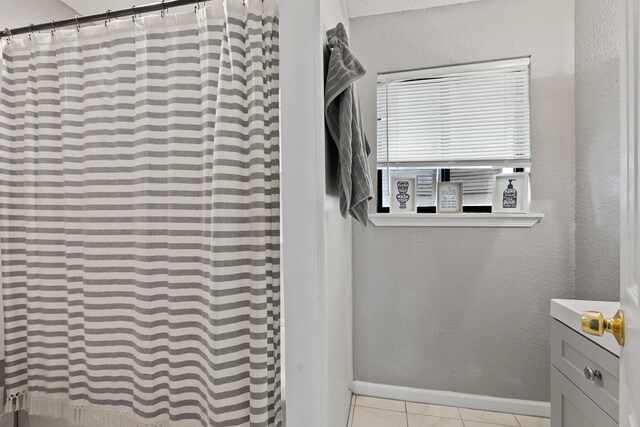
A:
510,197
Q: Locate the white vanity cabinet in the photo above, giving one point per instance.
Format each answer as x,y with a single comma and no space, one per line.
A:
584,369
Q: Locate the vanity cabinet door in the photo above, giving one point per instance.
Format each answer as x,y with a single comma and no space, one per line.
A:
571,353
570,407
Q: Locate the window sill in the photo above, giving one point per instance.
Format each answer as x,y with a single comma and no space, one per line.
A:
456,220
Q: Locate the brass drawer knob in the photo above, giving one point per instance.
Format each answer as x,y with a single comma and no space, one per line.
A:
595,323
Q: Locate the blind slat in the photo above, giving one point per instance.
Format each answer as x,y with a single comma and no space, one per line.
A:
464,114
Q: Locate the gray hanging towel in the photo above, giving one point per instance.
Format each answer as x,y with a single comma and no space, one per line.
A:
342,114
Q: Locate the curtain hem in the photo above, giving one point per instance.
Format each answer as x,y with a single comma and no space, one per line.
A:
79,414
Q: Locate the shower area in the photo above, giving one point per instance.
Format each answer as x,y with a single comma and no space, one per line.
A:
164,196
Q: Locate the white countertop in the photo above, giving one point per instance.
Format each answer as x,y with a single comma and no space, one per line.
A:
569,312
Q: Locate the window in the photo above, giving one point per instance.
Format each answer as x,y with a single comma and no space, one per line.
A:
455,123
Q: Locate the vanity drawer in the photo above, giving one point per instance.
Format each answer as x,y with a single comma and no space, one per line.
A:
570,407
571,354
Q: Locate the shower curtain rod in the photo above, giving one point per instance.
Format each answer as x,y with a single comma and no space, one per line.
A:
109,14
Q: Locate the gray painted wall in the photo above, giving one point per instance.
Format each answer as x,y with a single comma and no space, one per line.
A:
597,150
467,310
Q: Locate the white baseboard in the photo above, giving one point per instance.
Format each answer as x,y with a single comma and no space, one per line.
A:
449,398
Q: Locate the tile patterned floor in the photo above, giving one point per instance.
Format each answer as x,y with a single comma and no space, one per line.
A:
374,412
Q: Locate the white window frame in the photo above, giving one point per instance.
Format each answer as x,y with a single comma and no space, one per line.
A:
494,65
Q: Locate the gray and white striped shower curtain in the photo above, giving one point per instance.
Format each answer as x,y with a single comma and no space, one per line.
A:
139,220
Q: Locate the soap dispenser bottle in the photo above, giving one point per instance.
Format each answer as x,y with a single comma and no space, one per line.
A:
510,196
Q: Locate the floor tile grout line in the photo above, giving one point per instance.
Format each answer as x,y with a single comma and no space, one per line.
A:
354,405
382,409
494,423
459,413
464,421
406,414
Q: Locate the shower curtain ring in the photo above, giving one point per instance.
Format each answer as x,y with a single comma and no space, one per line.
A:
133,13
108,13
164,10
53,26
77,23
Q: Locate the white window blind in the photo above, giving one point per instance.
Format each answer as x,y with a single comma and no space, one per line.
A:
465,115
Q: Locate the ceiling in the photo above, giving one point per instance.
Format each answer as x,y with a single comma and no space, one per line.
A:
358,8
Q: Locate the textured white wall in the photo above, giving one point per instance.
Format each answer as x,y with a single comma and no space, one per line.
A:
19,13
597,150
467,310
316,239
302,197
337,266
